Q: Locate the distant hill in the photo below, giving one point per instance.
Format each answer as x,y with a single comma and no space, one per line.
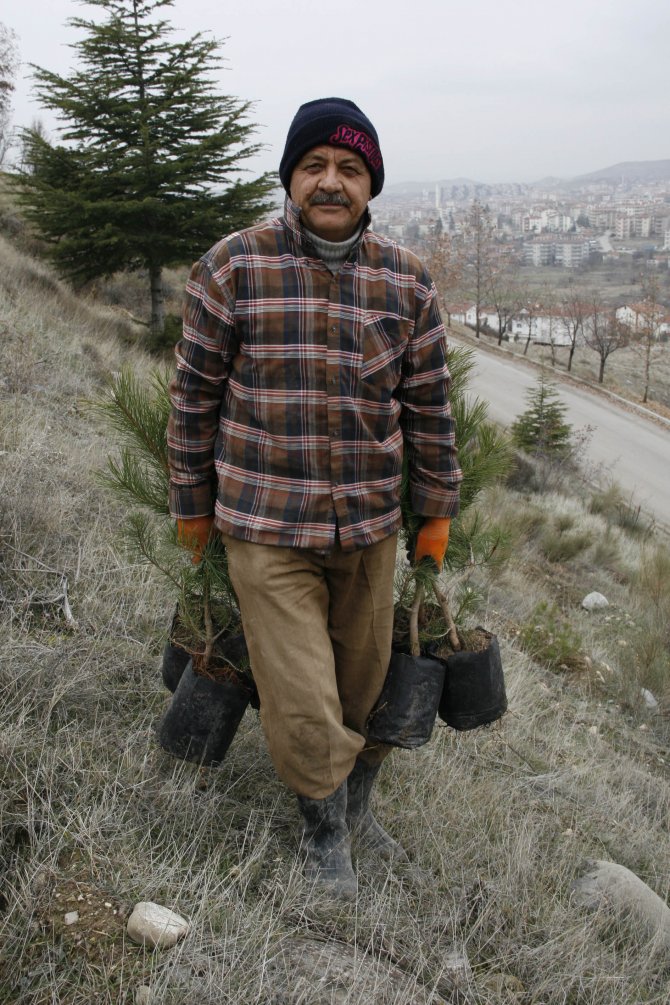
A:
628,171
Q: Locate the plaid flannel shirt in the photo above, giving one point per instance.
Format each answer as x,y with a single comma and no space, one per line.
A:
297,391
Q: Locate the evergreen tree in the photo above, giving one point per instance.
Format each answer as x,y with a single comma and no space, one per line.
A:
541,429
147,175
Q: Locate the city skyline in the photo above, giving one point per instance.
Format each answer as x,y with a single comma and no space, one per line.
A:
500,91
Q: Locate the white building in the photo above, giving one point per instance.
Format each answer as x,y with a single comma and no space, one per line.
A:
641,318
568,252
547,327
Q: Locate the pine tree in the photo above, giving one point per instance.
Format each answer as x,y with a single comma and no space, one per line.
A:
541,429
147,174
137,416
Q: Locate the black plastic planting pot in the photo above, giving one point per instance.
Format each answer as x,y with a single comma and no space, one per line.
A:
474,686
466,689
405,713
173,665
203,717
231,651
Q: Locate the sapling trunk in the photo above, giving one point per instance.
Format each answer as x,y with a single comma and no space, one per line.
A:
210,637
452,634
414,612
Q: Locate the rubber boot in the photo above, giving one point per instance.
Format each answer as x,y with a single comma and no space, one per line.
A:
360,819
327,843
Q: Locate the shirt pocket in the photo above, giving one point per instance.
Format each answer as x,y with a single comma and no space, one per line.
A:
385,339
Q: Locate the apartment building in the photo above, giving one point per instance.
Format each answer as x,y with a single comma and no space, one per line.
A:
569,252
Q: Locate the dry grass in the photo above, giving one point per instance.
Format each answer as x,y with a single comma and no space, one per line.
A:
93,813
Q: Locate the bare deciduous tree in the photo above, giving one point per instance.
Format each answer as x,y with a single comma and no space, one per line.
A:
604,333
533,304
504,295
477,257
9,62
574,310
444,262
645,331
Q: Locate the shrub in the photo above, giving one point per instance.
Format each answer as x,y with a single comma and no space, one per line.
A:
653,579
619,510
561,547
163,343
550,639
607,555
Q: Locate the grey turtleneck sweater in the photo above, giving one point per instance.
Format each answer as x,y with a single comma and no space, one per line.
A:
333,253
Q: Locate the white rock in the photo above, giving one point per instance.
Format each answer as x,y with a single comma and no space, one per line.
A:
71,918
649,699
156,926
594,602
457,965
612,886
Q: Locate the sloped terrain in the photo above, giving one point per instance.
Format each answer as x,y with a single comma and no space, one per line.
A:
94,817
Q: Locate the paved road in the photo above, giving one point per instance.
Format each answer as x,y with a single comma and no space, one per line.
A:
633,450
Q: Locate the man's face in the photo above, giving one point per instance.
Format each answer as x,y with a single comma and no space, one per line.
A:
331,185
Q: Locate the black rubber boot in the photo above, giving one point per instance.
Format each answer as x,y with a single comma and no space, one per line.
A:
360,819
327,843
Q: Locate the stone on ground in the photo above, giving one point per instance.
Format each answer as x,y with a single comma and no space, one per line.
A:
617,889
153,925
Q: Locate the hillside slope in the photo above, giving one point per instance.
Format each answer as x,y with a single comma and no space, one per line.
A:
629,171
94,817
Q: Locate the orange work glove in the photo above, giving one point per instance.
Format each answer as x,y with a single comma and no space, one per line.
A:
194,534
432,540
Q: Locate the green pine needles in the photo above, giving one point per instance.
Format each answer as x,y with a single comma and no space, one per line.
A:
150,168
137,415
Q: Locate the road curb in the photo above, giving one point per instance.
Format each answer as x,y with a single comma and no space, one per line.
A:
559,375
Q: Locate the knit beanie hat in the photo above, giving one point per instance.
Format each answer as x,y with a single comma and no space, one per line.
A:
337,122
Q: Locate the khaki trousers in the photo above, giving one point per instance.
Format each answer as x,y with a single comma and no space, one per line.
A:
318,629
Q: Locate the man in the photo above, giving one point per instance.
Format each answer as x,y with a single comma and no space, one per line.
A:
313,355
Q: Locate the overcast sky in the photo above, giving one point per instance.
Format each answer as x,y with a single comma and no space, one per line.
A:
493,90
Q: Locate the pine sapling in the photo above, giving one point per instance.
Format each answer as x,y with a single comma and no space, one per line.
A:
138,414
484,457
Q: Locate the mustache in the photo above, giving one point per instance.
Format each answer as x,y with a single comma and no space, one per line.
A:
329,199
